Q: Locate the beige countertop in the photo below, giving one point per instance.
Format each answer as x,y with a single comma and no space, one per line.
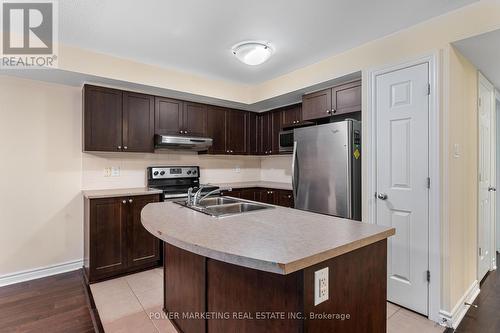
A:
265,184
279,240
119,192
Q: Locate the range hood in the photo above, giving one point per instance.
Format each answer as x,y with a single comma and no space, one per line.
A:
182,142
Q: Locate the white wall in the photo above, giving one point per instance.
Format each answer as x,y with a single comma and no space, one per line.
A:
40,175
498,174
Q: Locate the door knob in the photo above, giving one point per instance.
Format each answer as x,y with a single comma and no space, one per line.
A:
492,189
382,196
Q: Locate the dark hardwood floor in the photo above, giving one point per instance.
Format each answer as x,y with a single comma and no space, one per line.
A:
486,317
58,303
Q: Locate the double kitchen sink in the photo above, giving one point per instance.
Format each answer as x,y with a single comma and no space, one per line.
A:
224,206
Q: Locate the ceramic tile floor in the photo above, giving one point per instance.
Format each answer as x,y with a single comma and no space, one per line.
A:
133,304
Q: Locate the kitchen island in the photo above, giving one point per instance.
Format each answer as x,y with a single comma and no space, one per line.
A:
254,272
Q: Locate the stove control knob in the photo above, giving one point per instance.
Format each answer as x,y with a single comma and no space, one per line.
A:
162,173
194,172
155,173
189,172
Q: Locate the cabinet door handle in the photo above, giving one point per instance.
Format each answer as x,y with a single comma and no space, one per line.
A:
328,111
130,200
119,147
289,196
125,147
124,201
334,111
185,132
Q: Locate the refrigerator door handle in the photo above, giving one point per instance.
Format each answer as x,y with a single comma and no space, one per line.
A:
294,170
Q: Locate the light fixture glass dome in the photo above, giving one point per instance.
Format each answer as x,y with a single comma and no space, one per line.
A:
252,53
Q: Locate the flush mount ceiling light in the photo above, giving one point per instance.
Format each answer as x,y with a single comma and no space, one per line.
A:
252,53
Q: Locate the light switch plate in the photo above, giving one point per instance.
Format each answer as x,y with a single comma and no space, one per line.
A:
107,172
321,286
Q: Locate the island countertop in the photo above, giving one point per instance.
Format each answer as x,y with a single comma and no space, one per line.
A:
278,240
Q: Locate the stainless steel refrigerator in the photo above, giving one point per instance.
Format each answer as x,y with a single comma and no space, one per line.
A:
326,169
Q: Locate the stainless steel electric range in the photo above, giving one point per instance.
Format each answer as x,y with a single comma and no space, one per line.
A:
175,181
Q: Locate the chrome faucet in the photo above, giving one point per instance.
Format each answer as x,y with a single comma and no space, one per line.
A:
190,196
196,197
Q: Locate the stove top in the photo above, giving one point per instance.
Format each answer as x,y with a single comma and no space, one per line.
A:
175,181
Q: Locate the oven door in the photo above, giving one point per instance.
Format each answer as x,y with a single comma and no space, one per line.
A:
286,141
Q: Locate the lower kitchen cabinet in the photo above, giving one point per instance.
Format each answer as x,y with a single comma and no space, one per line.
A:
115,242
265,195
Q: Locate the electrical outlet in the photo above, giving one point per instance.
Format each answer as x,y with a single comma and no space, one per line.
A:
321,286
237,169
115,171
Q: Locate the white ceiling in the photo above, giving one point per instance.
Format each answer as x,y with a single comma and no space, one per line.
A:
197,35
484,52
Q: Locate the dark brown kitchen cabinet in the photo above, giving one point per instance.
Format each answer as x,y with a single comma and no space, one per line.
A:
174,117
138,122
252,142
341,99
107,232
285,198
264,138
216,127
115,242
317,105
269,196
232,193
236,132
292,115
168,116
269,127
103,119
144,248
195,119
276,125
346,98
117,120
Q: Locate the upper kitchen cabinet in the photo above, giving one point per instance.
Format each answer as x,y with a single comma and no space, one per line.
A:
168,116
174,117
252,145
236,127
345,98
292,115
317,105
117,121
195,119
138,122
276,125
102,112
216,128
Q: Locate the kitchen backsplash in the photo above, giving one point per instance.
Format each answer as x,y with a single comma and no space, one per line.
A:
276,168
121,170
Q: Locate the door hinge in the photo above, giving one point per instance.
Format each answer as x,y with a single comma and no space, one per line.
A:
479,101
428,182
428,88
428,276
480,250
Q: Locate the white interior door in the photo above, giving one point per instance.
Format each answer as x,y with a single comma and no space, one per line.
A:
402,155
486,196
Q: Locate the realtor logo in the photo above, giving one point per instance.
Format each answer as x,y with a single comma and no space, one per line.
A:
29,34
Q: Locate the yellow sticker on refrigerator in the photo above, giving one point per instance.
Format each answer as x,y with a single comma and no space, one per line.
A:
356,153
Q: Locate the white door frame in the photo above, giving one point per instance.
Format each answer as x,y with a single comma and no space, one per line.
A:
493,262
369,133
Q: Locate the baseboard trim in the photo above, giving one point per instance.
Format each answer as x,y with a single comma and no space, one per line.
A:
41,272
454,318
